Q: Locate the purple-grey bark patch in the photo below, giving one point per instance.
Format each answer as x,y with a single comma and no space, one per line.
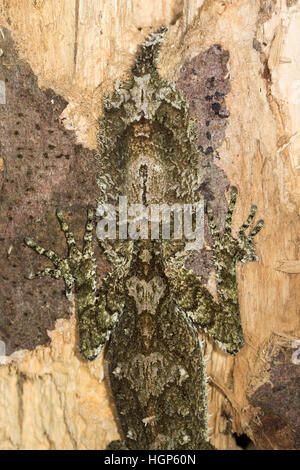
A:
42,168
205,83
279,399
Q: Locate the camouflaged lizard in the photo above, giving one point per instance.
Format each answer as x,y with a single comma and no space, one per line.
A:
150,307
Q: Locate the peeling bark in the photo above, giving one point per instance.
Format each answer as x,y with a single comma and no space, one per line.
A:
78,53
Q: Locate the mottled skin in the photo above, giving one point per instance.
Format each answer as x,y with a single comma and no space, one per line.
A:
150,307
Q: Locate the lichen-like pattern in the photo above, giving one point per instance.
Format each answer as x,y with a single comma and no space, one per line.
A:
150,307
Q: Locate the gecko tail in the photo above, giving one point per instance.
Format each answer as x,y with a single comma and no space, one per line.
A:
148,55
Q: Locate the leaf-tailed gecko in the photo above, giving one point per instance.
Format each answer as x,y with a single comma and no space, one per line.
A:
150,307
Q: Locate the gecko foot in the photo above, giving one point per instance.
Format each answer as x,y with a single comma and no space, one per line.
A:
66,268
227,247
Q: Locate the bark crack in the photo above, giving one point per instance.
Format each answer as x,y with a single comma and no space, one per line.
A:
77,5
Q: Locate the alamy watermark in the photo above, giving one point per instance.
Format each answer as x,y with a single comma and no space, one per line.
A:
2,92
151,222
296,354
2,353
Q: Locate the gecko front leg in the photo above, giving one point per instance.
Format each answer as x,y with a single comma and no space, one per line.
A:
97,312
220,319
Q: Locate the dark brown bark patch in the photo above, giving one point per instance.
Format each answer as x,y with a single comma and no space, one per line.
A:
279,400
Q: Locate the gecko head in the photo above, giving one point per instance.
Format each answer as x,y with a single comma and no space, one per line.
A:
147,58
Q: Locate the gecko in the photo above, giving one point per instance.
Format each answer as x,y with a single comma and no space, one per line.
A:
150,307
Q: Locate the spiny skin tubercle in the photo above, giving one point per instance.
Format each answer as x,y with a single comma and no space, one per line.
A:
150,307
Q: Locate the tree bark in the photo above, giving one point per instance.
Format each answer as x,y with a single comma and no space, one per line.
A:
50,398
